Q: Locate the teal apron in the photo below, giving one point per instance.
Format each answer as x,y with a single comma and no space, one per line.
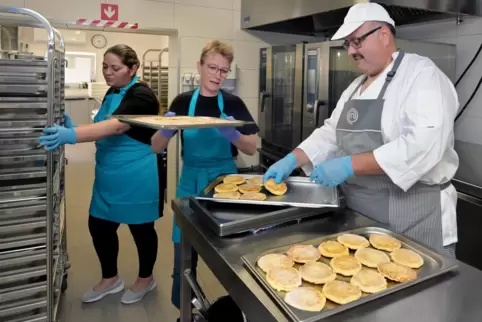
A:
207,155
126,189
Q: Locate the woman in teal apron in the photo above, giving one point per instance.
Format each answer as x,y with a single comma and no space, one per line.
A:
123,192
207,153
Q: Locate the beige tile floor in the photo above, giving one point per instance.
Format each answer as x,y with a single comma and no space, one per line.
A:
85,270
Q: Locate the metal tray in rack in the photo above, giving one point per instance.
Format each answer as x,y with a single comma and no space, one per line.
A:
301,193
150,121
434,265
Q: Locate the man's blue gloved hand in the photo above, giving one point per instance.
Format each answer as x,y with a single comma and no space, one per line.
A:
57,135
68,121
333,172
230,133
168,133
281,169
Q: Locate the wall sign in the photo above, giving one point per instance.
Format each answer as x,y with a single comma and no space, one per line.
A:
109,11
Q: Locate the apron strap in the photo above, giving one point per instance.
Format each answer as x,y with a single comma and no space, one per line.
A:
391,74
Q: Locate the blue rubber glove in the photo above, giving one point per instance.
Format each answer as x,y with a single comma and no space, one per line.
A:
333,172
57,135
168,133
230,133
68,121
281,169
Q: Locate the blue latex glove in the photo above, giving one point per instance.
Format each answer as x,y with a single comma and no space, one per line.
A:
333,172
230,133
57,135
68,121
168,133
281,169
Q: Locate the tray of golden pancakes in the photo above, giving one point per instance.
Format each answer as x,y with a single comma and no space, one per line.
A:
178,122
321,277
250,189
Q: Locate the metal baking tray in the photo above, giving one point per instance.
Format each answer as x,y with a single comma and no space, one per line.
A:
301,193
131,119
434,265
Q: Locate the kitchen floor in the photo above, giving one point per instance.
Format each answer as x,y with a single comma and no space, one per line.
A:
84,272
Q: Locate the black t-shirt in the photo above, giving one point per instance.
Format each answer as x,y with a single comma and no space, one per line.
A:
208,106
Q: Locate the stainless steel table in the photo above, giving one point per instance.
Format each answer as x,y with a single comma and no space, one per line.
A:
449,298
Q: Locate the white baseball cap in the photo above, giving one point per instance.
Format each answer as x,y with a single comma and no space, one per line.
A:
358,15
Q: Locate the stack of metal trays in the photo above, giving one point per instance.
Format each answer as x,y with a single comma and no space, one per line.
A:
24,182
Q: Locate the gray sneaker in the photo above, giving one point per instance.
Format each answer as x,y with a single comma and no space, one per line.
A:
131,297
94,296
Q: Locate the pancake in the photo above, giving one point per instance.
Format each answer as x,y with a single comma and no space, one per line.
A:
255,180
341,292
276,189
270,261
371,257
283,278
346,265
306,299
317,273
332,248
226,187
244,188
384,242
397,273
353,241
254,196
234,179
369,281
303,253
227,195
407,258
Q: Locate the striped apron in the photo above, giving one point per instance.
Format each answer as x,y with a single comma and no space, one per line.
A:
416,213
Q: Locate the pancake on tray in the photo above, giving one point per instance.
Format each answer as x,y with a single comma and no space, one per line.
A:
276,189
284,278
254,196
397,273
341,292
226,187
332,248
255,180
346,265
369,281
227,195
371,257
270,261
244,188
407,258
317,273
353,241
306,299
235,179
303,253
384,242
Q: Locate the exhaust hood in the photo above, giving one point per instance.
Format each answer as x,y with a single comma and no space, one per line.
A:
324,17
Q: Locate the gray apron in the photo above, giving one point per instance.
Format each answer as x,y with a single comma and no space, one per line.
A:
416,213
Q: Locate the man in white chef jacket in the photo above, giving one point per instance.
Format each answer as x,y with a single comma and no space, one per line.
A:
389,143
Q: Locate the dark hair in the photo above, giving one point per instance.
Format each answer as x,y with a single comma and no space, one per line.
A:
126,54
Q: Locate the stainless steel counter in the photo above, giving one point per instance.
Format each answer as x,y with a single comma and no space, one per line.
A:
449,298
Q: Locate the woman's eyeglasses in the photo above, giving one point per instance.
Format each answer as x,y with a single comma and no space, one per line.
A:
213,70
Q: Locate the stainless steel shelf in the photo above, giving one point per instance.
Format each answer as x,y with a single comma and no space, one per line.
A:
37,318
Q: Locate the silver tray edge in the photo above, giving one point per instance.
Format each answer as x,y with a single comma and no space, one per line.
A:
129,120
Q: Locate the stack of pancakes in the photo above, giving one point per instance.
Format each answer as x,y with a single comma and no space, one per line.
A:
237,187
353,265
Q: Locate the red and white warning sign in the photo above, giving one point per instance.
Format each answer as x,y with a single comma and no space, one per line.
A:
106,23
109,11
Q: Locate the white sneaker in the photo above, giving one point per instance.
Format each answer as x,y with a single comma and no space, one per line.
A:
131,297
94,296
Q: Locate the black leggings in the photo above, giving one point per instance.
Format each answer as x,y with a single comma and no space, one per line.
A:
106,244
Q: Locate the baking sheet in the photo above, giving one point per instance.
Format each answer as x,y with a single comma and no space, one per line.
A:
146,122
434,265
301,193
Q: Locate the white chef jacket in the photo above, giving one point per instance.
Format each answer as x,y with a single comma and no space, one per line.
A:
417,128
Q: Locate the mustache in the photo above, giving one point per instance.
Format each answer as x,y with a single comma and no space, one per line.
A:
357,56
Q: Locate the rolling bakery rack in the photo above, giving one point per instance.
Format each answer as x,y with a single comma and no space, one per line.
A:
33,253
157,76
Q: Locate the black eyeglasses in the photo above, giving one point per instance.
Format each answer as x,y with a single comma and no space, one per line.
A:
213,70
357,42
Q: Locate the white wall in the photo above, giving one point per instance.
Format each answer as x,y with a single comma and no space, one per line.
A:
467,36
140,43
